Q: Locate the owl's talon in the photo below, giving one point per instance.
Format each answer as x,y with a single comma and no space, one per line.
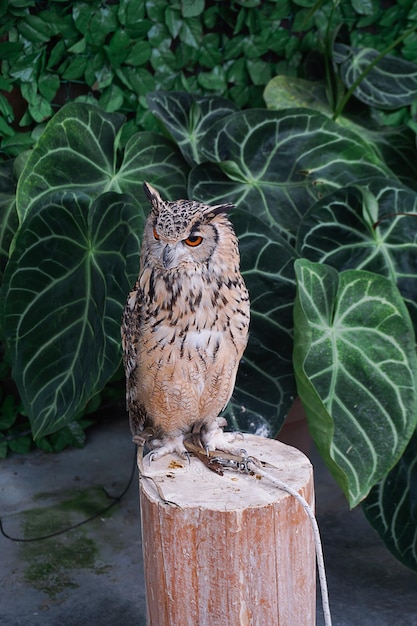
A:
168,445
213,438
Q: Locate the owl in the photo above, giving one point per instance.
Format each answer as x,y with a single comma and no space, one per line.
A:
185,327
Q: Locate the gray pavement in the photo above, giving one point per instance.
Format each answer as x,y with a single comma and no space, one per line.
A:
93,574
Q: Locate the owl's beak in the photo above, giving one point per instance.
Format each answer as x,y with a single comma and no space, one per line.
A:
168,256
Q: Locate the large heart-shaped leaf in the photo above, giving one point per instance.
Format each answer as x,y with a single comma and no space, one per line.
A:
188,117
276,164
391,84
391,507
62,298
78,150
356,366
151,157
265,386
75,151
396,145
372,228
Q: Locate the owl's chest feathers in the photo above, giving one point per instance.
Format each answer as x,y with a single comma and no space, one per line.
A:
184,316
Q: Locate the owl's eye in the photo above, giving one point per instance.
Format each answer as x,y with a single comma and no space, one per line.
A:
155,234
193,241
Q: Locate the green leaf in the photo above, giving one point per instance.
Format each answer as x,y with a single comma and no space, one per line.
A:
391,84
391,507
173,20
112,98
260,71
192,8
5,129
188,118
365,7
75,68
355,365
79,47
102,22
118,47
365,228
81,14
155,10
10,51
210,17
6,111
76,150
159,37
233,48
40,109
26,69
282,162
21,445
139,54
163,63
214,80
255,47
17,142
5,84
72,434
397,148
237,72
48,85
102,72
34,29
62,298
140,79
191,32
150,156
210,53
130,13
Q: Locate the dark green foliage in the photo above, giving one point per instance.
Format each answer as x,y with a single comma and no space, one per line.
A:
116,52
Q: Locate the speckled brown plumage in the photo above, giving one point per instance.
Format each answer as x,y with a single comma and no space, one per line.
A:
185,325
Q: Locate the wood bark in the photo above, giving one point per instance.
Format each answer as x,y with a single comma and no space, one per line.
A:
231,550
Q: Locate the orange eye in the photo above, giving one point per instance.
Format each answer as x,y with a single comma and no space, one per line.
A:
155,234
193,241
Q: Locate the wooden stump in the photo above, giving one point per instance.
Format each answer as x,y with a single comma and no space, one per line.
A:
236,550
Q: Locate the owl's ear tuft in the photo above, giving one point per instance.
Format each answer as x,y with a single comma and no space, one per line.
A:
152,195
220,208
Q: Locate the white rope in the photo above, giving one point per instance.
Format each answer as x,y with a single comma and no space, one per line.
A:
316,533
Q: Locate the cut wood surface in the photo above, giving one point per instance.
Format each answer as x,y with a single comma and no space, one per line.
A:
231,550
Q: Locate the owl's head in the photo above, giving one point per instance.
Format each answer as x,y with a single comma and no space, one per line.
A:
185,232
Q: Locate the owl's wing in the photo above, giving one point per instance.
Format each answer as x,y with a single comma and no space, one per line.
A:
130,337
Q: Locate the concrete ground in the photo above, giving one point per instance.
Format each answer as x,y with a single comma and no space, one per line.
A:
93,574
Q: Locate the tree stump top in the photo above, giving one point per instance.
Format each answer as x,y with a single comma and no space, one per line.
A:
192,484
